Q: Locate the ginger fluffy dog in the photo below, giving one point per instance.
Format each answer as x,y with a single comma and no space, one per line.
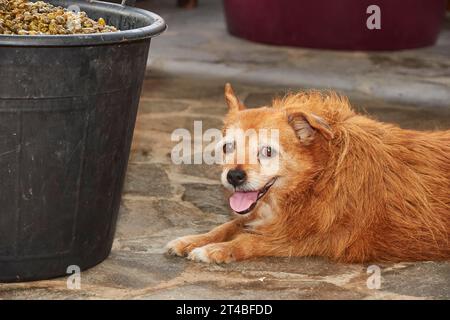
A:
347,187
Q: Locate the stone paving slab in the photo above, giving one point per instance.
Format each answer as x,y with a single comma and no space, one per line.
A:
162,201
197,43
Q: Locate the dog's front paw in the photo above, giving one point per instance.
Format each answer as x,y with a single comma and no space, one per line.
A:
183,245
212,253
179,247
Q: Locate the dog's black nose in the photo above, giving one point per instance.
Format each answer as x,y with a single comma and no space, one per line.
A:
236,177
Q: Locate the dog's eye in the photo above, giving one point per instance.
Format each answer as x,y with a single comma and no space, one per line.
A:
267,151
228,147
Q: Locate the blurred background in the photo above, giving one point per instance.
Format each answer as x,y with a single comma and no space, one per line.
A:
403,56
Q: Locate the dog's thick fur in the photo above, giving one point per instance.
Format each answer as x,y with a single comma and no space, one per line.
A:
352,189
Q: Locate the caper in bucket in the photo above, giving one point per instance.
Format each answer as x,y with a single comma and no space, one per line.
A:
22,17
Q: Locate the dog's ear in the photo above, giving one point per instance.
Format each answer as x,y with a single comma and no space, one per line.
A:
306,125
233,102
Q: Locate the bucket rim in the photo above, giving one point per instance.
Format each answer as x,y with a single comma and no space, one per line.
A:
157,27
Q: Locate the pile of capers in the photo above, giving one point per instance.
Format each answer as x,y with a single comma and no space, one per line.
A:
23,17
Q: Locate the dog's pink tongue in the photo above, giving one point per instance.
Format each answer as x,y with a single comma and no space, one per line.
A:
241,201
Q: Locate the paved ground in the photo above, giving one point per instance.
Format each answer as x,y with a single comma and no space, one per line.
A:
162,201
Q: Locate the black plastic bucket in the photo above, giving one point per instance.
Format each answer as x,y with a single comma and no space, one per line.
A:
68,106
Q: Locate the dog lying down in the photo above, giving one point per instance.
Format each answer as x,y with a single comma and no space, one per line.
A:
344,187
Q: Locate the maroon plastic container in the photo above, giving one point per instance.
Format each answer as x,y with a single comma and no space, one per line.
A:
332,24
